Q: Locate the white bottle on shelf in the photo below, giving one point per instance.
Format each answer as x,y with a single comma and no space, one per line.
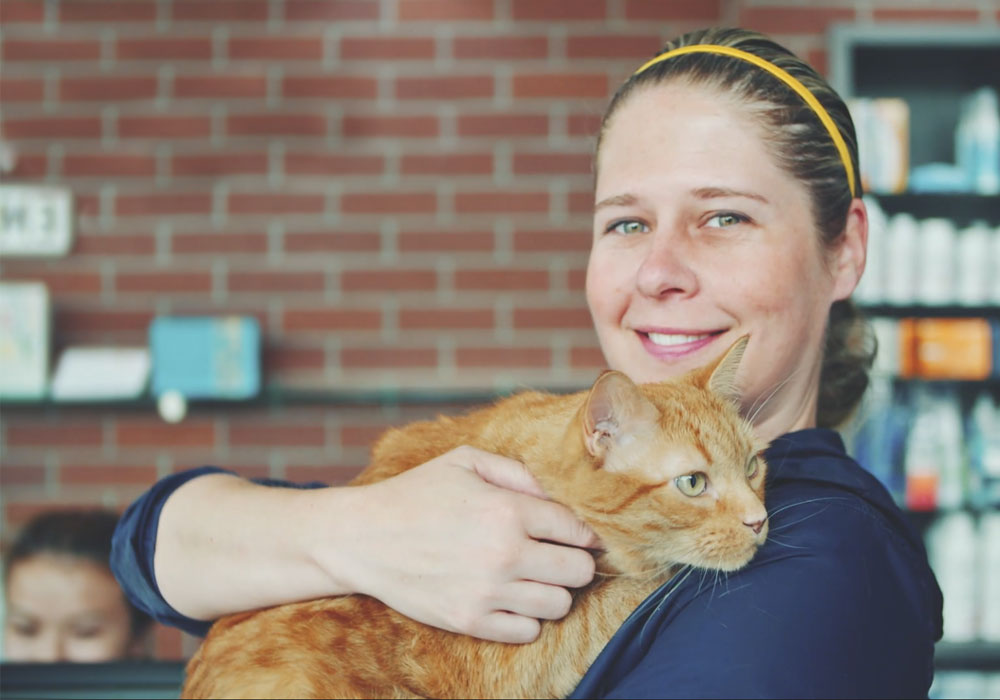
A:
974,265
952,551
977,141
994,274
936,262
902,253
989,589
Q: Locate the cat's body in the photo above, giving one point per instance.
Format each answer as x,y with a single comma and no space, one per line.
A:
614,455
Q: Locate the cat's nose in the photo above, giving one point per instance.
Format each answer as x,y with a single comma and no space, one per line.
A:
756,526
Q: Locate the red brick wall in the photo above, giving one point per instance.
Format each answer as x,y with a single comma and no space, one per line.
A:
398,190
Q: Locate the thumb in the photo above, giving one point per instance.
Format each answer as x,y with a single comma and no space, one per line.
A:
506,473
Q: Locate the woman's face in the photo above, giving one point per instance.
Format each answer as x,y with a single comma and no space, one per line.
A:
63,608
700,238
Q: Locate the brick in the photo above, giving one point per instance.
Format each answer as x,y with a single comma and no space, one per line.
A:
28,11
381,48
164,48
445,10
39,49
118,245
388,358
26,475
452,319
332,241
793,20
305,473
293,358
279,48
22,89
545,318
154,433
218,243
508,48
163,204
631,46
927,14
331,319
220,86
561,85
448,164
164,127
547,241
29,165
220,11
108,88
503,125
64,282
817,58
462,87
558,10
164,282
360,435
275,203
494,279
446,241
276,125
219,164
330,86
102,321
505,357
382,127
52,128
580,202
94,474
576,280
108,165
106,11
675,10
87,205
501,202
584,124
306,163
49,434
586,357
535,163
388,280
331,10
397,203
274,434
265,281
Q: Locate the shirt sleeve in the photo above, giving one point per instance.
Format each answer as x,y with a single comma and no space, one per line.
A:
837,613
134,544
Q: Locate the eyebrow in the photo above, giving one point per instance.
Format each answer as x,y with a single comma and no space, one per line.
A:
627,200
618,200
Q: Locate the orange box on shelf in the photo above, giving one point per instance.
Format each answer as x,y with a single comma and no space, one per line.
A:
950,348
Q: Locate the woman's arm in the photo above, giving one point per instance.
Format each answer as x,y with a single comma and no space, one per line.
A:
464,542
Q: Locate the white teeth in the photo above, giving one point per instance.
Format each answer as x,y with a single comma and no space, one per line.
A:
675,338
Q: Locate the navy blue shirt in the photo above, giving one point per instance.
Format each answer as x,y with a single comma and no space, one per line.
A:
839,602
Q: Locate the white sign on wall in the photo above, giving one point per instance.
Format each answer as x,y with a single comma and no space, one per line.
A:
35,220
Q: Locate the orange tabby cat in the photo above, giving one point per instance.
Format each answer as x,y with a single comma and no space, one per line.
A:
666,474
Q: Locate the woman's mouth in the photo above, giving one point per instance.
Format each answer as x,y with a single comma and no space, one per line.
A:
669,343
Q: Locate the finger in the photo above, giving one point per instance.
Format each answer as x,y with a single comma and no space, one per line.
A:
536,600
507,627
502,471
555,565
556,523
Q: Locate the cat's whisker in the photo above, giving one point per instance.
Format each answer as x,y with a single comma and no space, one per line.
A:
800,520
754,410
805,502
784,544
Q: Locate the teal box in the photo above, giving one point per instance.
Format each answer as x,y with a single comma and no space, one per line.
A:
206,357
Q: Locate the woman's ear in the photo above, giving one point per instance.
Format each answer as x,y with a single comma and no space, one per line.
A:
851,254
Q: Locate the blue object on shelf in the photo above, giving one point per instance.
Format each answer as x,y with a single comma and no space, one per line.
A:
206,357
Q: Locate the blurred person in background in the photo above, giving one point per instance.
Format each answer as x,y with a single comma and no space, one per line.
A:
62,602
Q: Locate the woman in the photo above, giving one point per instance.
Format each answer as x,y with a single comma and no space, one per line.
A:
62,602
727,202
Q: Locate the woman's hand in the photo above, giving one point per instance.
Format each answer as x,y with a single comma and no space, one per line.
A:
466,542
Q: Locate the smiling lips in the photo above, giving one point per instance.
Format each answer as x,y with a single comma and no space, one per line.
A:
670,343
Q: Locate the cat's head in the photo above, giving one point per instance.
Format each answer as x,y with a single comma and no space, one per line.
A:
676,474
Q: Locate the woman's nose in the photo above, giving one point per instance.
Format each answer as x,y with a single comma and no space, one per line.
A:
666,268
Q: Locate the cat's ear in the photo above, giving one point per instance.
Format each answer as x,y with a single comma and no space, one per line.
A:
722,376
615,412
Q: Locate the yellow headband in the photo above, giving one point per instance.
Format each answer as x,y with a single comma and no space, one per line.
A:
782,75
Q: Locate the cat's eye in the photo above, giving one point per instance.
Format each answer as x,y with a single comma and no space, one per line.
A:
692,484
752,467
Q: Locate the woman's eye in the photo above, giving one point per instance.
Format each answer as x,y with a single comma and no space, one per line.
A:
692,484
86,632
752,468
627,227
726,219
